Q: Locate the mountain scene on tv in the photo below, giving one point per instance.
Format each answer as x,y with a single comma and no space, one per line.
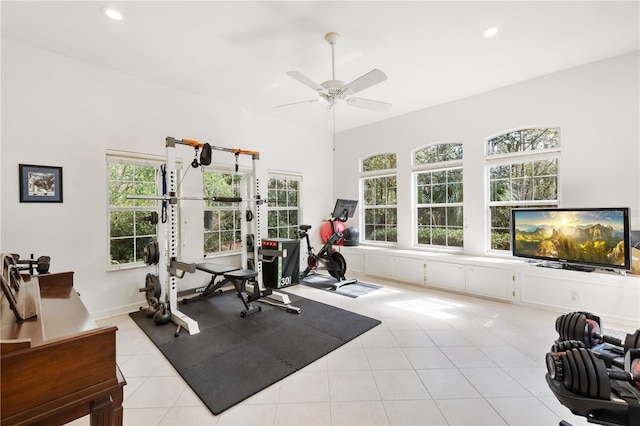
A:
583,236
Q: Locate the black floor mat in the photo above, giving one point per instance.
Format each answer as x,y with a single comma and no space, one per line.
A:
233,358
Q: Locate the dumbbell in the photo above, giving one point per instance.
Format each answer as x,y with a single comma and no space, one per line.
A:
582,373
565,345
585,327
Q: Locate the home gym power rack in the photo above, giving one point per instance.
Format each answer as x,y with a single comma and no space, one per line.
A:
168,237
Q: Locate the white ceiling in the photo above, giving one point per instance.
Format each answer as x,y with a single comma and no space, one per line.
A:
238,51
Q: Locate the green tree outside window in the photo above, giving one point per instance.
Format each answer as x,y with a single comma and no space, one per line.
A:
523,173
129,229
379,198
284,206
439,196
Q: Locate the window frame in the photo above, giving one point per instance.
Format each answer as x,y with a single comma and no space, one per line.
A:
129,158
292,233
220,207
364,207
520,158
434,167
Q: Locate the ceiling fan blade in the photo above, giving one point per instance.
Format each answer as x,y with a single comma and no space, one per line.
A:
369,104
310,101
369,79
305,80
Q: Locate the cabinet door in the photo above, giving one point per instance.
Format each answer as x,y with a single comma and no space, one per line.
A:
354,261
449,276
378,265
490,282
409,270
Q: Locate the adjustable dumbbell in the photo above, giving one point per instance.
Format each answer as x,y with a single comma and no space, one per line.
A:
585,327
582,373
565,345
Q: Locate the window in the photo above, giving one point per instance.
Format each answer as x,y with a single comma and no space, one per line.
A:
283,206
438,183
129,229
221,220
379,193
523,172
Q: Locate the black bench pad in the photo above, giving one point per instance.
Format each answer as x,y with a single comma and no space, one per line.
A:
215,268
241,274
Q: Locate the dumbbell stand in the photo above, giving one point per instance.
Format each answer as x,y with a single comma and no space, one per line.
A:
611,355
621,410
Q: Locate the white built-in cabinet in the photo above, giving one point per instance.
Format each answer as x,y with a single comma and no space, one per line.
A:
489,281
609,295
407,269
447,276
411,270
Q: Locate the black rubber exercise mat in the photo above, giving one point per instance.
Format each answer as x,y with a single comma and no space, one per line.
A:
233,358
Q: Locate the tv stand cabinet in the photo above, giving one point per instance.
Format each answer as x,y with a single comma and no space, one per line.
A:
615,297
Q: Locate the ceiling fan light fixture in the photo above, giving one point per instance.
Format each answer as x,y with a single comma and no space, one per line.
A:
333,91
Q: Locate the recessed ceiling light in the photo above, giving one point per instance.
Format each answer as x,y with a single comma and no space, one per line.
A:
490,32
111,13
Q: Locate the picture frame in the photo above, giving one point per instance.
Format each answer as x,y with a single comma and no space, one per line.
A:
40,184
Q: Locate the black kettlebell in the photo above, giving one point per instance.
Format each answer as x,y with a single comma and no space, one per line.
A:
163,315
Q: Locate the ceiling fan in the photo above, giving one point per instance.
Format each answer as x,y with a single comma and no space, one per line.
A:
333,91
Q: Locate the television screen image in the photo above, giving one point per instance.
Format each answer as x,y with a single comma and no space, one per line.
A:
597,237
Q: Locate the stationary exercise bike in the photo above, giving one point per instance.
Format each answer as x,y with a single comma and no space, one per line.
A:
333,261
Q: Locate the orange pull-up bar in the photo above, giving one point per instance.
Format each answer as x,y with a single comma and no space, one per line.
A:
172,141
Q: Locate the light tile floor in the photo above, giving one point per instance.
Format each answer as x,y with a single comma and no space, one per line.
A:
438,358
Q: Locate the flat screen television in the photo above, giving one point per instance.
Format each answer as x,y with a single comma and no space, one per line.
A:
581,239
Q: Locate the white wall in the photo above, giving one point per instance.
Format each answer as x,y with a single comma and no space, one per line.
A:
62,112
596,107
58,111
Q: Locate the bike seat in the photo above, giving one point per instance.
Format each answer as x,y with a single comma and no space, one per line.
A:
305,227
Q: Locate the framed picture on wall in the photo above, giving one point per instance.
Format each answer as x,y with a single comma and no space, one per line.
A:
40,184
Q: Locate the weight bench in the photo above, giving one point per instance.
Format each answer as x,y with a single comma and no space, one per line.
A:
231,275
214,286
239,278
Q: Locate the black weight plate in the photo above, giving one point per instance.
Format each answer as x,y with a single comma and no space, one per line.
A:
566,345
604,384
570,326
573,383
155,253
559,321
146,254
582,382
567,377
152,283
591,378
579,331
151,253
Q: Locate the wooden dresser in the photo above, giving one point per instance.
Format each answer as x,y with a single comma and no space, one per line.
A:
60,365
